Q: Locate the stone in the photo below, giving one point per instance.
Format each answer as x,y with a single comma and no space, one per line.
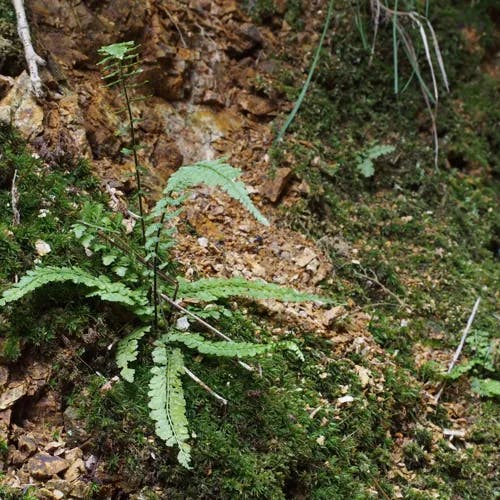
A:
6,83
273,188
17,457
255,105
331,315
42,465
307,256
80,490
46,410
53,446
58,494
75,430
4,375
27,444
44,493
73,454
59,484
167,155
20,109
91,463
15,391
151,122
5,417
75,470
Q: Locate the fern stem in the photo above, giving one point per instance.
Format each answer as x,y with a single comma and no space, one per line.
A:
155,292
155,270
134,149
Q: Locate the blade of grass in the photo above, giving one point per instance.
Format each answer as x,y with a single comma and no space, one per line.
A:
395,47
439,57
423,35
303,92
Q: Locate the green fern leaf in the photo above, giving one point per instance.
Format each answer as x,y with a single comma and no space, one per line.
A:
117,50
127,351
166,400
214,173
211,289
229,349
100,286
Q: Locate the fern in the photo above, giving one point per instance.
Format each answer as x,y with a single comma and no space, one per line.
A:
365,159
210,289
166,400
214,173
100,286
120,63
127,352
229,349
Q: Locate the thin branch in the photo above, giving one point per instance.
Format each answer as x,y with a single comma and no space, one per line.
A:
33,60
200,382
202,322
460,346
176,26
14,196
374,279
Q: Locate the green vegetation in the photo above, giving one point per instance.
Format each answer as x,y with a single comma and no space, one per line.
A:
411,246
166,394
11,50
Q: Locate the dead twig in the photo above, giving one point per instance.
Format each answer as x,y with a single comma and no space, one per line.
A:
202,322
460,346
374,279
33,60
176,26
200,382
14,201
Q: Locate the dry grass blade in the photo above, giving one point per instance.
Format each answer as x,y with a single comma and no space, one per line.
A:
14,195
439,57
375,6
426,93
428,37
423,35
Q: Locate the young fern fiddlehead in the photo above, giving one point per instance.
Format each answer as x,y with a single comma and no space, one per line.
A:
120,64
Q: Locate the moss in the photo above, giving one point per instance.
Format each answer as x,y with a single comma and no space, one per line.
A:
427,238
11,52
49,202
265,444
263,11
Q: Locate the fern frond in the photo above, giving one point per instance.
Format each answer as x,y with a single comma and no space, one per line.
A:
127,351
166,400
211,289
229,349
214,173
100,286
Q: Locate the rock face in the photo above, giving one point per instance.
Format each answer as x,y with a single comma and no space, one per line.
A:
19,108
43,466
273,188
